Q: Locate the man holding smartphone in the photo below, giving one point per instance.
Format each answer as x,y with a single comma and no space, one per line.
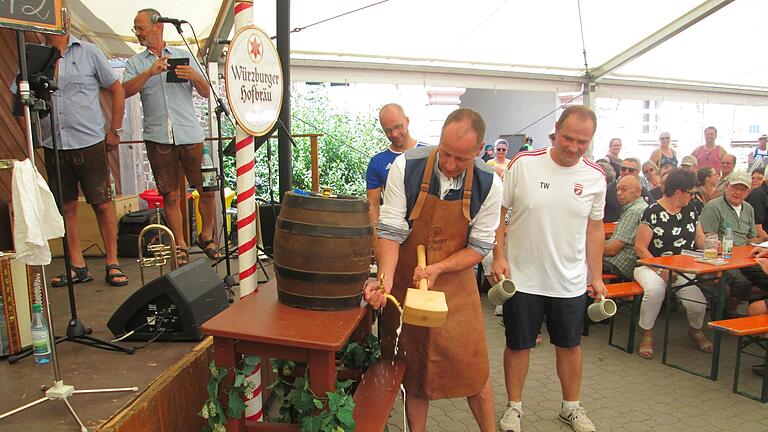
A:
172,132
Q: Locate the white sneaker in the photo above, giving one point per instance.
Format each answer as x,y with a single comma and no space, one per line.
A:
510,421
578,419
499,311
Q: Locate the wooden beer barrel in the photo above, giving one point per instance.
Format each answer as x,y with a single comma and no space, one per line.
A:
322,251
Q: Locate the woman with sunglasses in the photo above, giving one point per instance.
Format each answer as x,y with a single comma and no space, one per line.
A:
666,228
500,162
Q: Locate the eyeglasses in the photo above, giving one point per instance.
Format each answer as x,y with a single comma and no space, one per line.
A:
501,149
629,170
396,128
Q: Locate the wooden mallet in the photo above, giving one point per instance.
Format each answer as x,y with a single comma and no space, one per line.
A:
423,307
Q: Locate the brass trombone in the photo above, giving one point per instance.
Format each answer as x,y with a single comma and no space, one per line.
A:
161,253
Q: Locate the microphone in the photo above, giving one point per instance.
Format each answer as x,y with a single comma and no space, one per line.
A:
161,19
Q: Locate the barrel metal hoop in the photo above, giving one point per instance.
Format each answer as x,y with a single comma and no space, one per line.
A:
321,278
319,303
324,230
341,204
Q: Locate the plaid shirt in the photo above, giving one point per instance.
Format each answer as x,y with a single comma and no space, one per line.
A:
626,229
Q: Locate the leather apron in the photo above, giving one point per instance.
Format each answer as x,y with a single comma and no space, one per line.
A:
452,360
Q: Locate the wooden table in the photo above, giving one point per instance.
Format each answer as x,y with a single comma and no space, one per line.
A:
259,325
687,264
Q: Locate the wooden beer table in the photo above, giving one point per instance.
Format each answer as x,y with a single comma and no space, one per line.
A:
258,325
703,272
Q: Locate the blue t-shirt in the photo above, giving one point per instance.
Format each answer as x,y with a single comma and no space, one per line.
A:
378,167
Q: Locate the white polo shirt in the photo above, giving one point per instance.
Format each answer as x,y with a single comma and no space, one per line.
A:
550,206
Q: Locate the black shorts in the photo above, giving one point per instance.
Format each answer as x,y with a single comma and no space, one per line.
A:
524,313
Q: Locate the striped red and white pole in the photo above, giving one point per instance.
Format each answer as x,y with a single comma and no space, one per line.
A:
246,219
246,205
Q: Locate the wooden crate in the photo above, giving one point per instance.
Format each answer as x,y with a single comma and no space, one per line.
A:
90,236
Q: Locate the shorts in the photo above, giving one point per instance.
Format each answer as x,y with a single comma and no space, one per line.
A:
86,166
164,160
524,313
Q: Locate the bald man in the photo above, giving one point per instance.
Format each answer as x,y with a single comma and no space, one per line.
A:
394,123
618,252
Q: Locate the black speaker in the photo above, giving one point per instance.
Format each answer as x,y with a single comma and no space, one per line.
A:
268,218
130,226
173,306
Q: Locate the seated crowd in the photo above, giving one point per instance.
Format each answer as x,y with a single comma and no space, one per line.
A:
670,209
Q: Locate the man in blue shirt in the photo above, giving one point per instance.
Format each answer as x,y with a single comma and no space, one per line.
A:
171,130
394,123
84,140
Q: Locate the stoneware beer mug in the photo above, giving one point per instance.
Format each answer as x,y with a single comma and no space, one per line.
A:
601,310
502,291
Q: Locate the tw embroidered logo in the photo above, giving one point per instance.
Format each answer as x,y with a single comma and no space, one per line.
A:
578,188
544,185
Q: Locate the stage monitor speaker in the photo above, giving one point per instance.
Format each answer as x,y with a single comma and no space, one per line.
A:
268,214
173,306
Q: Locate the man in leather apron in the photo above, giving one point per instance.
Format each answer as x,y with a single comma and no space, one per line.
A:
448,200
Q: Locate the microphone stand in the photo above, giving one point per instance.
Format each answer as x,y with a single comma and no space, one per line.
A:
229,280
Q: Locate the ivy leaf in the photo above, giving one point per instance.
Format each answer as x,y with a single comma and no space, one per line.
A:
239,380
334,400
318,404
345,417
251,360
236,406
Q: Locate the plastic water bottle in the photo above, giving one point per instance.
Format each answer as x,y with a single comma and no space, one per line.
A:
728,243
41,342
208,171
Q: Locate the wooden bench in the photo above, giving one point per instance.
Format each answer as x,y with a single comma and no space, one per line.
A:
376,394
750,330
624,294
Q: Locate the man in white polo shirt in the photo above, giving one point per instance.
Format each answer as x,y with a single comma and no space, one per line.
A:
556,198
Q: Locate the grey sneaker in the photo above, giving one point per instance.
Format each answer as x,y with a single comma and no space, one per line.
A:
510,421
578,419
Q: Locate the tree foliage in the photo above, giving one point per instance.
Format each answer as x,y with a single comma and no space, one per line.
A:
348,142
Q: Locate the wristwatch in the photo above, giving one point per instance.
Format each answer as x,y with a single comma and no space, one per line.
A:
118,131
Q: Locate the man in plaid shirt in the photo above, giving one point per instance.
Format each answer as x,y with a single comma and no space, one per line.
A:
618,253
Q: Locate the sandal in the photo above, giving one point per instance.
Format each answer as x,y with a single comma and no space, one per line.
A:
645,349
182,256
701,340
110,277
81,275
209,247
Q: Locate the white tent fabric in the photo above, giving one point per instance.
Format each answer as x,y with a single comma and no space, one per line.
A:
486,43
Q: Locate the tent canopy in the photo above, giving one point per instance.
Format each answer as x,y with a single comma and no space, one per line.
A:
709,49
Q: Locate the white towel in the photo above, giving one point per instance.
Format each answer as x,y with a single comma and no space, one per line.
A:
35,216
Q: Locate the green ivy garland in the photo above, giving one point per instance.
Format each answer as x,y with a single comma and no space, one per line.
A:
299,404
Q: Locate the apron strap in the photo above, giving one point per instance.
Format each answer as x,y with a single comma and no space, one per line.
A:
424,189
466,199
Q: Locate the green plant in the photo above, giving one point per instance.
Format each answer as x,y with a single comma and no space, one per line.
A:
349,140
212,410
359,356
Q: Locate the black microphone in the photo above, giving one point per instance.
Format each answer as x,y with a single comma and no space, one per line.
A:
161,19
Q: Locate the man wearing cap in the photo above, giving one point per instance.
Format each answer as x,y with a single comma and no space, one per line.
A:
709,154
500,161
689,163
394,123
730,210
727,165
759,156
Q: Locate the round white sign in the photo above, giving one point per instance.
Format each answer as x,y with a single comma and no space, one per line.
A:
254,80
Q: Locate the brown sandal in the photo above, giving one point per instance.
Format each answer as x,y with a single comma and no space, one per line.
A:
182,256
209,247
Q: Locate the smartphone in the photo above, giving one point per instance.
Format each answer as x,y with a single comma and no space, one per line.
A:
171,76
